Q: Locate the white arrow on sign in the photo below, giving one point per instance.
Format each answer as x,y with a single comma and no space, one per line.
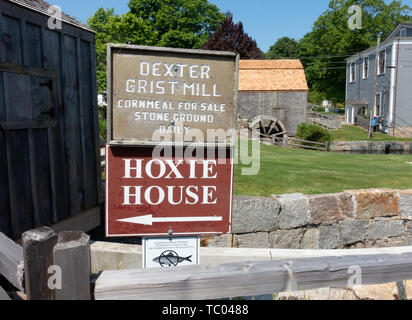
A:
148,220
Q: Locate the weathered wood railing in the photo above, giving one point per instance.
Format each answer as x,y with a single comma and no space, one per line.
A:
48,256
251,278
299,143
326,121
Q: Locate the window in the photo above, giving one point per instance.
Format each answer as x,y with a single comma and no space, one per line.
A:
402,34
352,72
378,105
365,68
382,62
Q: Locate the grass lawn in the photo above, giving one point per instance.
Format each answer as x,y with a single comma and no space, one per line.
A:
286,170
352,133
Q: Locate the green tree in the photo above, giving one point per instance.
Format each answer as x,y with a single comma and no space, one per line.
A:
231,37
165,23
112,28
284,48
324,50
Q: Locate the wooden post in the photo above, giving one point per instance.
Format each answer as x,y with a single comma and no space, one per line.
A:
38,257
72,255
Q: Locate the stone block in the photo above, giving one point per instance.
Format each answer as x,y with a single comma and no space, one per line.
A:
294,211
286,239
352,231
408,231
405,203
254,214
329,237
407,242
390,242
329,208
223,241
376,203
310,239
252,240
386,229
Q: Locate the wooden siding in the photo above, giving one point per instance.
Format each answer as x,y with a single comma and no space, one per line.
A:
49,143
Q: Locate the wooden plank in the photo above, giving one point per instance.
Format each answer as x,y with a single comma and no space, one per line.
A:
3,295
53,52
33,179
82,124
89,106
109,88
97,145
124,47
21,198
5,215
11,261
72,255
304,147
34,42
250,278
23,38
84,221
38,257
30,71
21,203
306,141
50,133
52,173
10,27
28,124
72,125
41,163
1,42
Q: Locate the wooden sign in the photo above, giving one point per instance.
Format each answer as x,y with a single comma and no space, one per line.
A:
177,95
148,196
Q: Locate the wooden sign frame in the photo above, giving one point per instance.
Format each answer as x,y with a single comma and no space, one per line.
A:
207,91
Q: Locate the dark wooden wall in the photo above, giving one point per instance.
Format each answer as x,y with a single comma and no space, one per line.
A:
49,142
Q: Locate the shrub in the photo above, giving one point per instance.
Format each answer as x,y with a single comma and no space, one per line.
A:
312,132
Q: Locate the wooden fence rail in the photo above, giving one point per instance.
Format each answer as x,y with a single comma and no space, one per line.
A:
251,278
70,253
299,143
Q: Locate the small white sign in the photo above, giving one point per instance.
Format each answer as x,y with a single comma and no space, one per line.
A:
170,252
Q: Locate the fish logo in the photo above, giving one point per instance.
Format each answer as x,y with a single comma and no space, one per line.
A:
170,258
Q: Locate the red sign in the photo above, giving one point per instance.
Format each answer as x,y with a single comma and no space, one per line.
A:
149,196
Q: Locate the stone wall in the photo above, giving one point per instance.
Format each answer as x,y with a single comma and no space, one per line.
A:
351,219
372,146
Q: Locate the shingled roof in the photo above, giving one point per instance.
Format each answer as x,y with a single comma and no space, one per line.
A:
272,75
43,6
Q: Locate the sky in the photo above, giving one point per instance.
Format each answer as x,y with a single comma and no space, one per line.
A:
264,20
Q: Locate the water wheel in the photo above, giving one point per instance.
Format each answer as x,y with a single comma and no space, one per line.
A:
267,127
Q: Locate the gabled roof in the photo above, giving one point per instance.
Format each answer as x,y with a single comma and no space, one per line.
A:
43,6
387,41
397,29
272,75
